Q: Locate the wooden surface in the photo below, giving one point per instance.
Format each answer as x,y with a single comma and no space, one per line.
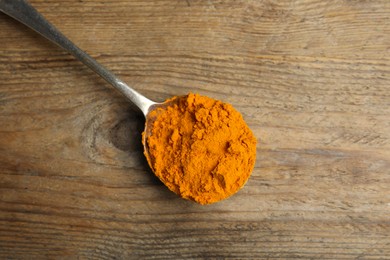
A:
311,78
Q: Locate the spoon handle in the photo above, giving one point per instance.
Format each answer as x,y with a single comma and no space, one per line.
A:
22,11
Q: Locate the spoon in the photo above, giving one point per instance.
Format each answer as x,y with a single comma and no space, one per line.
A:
25,13
212,156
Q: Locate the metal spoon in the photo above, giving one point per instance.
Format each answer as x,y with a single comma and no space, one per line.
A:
22,11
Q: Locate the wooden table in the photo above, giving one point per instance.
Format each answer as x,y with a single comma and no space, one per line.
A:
311,78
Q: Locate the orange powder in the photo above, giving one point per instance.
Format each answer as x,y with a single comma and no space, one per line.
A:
201,149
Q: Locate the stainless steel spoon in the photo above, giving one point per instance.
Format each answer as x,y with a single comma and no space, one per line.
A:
22,11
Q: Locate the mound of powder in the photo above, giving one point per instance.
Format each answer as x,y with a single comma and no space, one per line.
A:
201,149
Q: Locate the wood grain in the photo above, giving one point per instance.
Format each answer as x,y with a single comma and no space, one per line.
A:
311,78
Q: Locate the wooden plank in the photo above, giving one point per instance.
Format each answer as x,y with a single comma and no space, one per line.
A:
311,78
